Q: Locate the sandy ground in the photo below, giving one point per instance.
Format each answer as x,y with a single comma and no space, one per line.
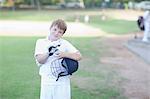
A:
29,28
121,14
129,66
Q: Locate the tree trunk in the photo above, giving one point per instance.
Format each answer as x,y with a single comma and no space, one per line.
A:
32,3
38,4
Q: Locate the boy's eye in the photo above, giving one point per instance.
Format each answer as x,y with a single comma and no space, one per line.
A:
60,32
55,29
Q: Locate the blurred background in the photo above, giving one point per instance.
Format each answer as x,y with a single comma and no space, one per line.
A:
115,62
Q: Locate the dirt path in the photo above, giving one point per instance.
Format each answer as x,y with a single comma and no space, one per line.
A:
32,28
125,15
129,66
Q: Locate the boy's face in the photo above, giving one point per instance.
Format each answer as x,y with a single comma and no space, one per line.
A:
56,33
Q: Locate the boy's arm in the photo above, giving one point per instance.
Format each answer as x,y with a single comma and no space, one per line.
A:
42,58
76,56
41,52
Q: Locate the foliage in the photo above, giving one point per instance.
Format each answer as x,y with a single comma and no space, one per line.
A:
88,3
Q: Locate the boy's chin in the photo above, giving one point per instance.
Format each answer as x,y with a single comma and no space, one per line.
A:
55,38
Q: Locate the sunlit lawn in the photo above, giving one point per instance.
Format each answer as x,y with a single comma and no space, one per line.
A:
116,26
19,77
43,15
110,25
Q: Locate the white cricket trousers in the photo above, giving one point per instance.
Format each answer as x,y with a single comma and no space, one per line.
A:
52,89
146,32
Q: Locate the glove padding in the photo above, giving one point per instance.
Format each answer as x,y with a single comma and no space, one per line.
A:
71,65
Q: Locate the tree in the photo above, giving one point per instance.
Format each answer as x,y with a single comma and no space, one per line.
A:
38,4
32,3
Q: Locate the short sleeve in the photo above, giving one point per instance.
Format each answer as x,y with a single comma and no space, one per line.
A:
70,48
40,47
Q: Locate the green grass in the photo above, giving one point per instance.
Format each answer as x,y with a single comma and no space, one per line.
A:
31,15
43,15
114,26
110,25
19,74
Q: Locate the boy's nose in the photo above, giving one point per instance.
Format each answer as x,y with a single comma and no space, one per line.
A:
56,33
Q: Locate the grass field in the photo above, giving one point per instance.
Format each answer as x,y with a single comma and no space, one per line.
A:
114,26
43,15
110,25
19,77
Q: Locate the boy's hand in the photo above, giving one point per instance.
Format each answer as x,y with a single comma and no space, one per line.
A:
75,56
60,54
52,50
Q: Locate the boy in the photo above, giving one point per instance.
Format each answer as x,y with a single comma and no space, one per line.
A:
48,54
